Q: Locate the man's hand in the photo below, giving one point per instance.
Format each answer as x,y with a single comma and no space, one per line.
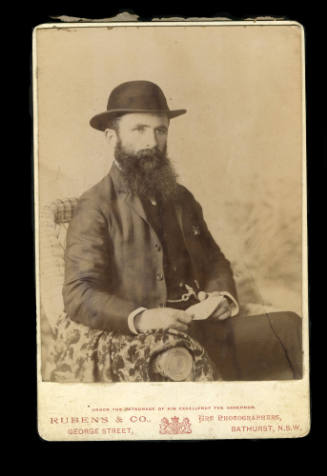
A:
224,309
162,318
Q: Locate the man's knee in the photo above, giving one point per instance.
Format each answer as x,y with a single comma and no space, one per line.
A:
269,346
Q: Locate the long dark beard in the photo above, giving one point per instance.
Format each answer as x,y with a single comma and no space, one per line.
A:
148,173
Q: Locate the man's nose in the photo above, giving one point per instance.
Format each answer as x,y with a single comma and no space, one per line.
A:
151,139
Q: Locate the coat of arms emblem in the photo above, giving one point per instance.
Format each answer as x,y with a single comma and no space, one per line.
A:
174,426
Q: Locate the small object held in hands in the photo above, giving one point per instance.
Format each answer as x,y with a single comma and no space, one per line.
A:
205,308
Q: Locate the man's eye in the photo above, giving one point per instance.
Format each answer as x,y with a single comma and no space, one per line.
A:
162,130
139,129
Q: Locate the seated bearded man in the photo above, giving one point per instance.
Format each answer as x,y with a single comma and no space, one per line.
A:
139,254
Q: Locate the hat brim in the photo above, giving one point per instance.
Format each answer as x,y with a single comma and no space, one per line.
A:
100,121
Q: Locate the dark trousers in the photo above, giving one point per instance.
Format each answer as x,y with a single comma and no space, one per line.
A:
260,347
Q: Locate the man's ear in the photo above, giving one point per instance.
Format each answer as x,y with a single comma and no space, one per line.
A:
111,137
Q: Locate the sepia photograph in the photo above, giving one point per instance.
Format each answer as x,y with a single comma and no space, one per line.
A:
170,204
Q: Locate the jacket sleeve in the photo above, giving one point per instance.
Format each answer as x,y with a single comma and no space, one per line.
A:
218,274
88,290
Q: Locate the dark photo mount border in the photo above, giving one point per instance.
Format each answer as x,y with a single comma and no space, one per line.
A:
316,170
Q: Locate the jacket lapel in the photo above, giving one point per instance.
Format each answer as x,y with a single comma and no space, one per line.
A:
179,216
135,203
131,200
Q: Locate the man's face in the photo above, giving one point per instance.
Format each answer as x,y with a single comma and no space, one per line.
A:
143,131
140,151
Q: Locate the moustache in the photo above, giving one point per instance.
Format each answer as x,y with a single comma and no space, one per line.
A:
144,159
150,158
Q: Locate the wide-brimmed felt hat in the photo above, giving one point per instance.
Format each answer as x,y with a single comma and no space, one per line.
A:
134,96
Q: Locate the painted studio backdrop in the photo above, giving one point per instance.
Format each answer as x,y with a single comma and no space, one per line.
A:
238,148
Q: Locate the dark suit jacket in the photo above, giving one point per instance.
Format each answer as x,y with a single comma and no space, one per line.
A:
114,261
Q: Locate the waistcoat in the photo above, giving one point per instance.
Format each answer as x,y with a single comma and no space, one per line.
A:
176,260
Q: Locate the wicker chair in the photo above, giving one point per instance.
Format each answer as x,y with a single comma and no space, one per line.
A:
54,221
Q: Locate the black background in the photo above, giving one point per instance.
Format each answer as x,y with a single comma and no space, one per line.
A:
22,321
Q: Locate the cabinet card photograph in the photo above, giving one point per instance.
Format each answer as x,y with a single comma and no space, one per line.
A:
170,227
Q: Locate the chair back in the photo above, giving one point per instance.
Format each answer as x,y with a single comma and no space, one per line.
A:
54,221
